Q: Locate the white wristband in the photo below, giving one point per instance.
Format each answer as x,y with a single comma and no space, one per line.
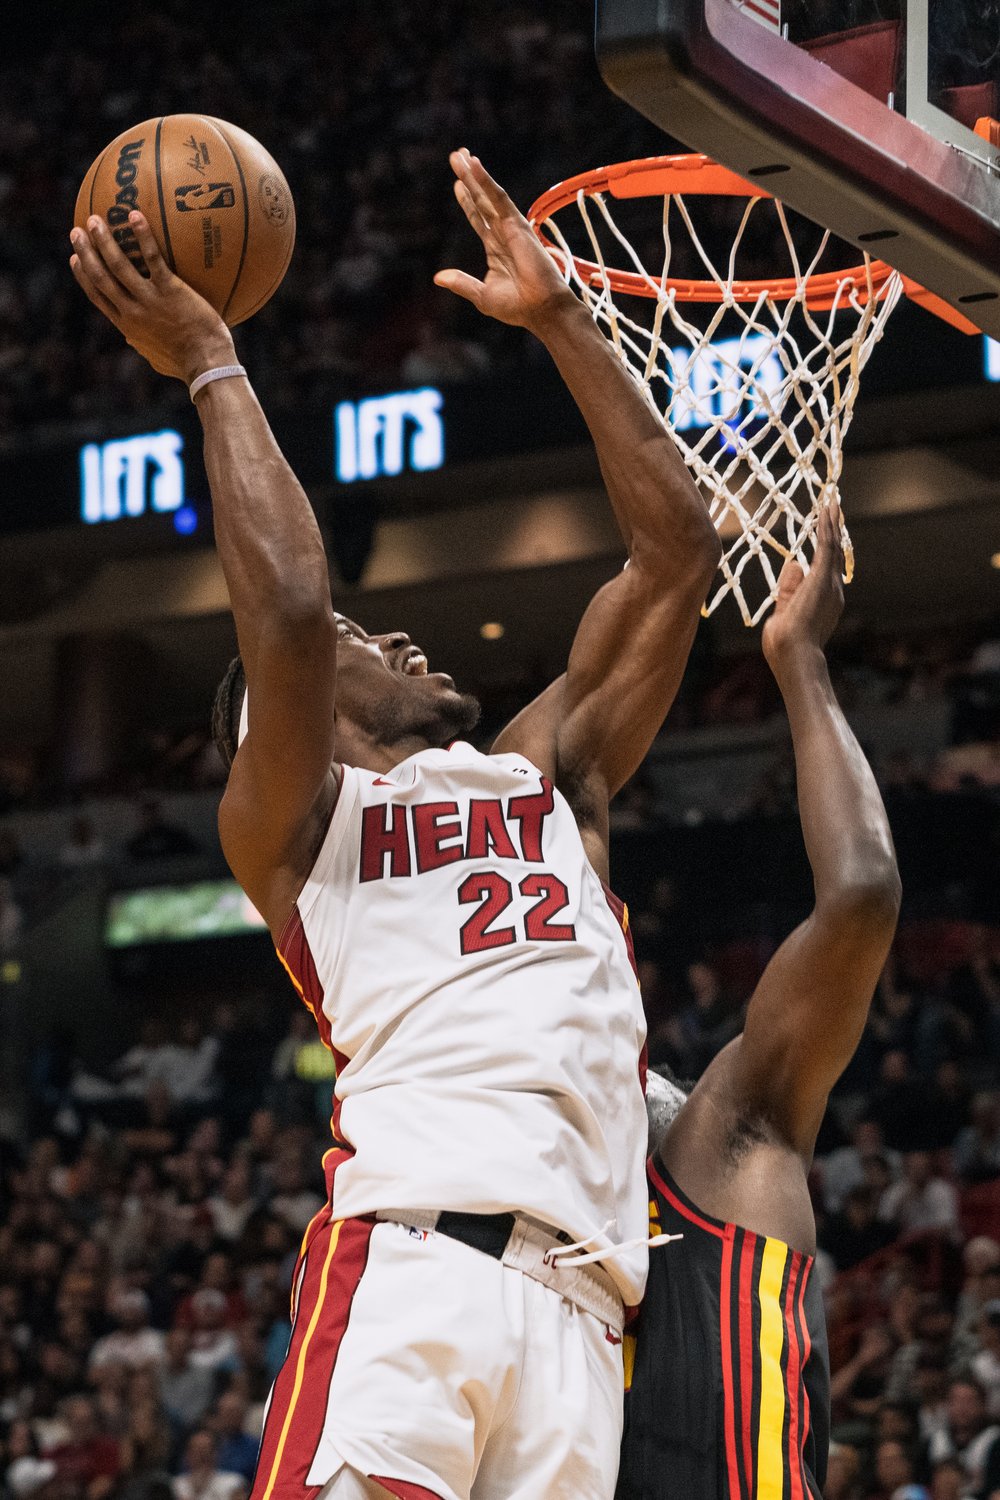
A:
207,376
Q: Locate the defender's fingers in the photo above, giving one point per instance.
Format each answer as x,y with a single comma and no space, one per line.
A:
828,534
495,194
461,284
477,182
789,578
117,262
84,282
468,207
159,272
97,272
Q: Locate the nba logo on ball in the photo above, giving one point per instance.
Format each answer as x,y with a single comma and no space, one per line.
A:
204,195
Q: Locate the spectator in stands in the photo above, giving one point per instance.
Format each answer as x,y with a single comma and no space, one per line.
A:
156,837
187,1066
947,1481
974,989
947,1104
977,1148
234,1202
706,1023
203,1479
921,1201
856,1387
844,1168
895,1467
186,1389
930,1336
145,1446
236,1450
83,849
89,1460
899,1104
295,1203
985,1364
132,1342
213,1345
930,1390
968,1435
843,1472
856,1232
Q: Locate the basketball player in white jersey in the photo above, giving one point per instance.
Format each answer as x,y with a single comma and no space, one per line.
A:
443,913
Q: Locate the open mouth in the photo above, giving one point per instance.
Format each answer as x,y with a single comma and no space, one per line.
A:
414,664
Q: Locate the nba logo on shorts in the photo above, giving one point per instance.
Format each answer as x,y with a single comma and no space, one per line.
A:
198,196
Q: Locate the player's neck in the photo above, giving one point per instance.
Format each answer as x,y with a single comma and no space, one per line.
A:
357,748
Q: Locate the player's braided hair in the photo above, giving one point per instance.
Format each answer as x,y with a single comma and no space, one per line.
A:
226,711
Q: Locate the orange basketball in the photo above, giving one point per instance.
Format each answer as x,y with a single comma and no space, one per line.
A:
217,202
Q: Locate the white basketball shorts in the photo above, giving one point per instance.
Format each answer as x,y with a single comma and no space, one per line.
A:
440,1373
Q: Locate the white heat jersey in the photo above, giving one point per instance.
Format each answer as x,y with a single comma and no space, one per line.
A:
473,978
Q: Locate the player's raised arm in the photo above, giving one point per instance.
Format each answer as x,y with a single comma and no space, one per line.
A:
809,1009
592,730
272,556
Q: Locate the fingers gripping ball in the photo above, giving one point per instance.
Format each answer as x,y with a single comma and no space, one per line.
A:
217,202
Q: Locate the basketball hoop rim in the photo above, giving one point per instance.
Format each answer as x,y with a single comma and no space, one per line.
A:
695,173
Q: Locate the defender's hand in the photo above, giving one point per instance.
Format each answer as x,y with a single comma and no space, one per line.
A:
808,607
163,318
522,285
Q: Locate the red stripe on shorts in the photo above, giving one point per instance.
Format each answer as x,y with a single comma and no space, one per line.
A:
746,1342
726,1336
335,1261
793,1385
403,1490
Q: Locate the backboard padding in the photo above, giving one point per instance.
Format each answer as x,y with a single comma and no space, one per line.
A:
721,83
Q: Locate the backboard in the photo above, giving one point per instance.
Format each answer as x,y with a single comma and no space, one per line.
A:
876,118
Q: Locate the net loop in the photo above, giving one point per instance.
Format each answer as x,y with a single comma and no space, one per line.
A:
760,398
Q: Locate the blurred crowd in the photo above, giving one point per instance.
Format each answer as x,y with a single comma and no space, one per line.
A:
150,1217
360,106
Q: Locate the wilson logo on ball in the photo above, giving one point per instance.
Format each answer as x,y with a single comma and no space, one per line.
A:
127,198
199,196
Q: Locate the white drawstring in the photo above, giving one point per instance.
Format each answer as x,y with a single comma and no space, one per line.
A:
552,1256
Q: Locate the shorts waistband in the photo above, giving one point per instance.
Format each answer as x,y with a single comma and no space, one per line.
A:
525,1245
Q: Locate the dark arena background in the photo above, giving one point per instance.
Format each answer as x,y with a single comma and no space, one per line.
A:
164,1097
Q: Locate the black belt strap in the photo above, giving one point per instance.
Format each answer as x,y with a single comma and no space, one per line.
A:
486,1232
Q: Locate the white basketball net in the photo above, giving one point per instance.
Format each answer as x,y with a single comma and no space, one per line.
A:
760,416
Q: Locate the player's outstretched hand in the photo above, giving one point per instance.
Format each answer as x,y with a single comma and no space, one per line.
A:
163,318
808,606
522,284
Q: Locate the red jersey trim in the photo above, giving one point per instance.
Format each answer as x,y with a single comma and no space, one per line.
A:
681,1204
403,1490
297,960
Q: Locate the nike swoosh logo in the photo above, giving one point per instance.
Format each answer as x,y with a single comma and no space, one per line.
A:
379,782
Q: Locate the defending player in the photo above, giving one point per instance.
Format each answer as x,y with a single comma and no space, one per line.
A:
442,912
730,1376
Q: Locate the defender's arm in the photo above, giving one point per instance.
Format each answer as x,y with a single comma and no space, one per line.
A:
271,553
809,1009
592,730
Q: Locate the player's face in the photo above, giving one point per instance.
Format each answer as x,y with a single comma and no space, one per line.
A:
386,687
